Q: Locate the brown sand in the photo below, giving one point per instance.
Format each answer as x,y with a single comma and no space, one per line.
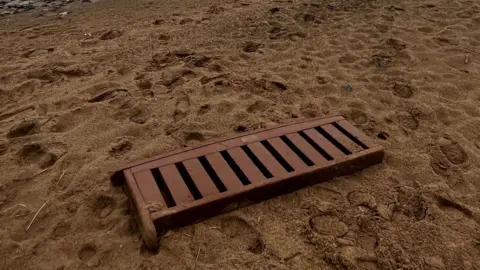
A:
122,80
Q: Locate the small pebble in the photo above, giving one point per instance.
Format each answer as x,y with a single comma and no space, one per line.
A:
347,88
383,135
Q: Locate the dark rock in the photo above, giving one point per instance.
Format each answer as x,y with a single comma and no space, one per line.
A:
383,135
347,88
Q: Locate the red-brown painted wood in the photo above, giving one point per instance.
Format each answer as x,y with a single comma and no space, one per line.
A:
246,164
148,188
307,149
290,156
199,175
325,144
154,216
267,159
341,138
224,172
176,185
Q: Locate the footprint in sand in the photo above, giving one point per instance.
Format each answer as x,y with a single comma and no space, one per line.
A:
127,226
112,34
197,60
43,74
24,128
74,71
48,160
139,115
215,10
159,61
277,32
135,112
190,58
311,110
186,21
224,107
348,58
163,37
297,36
61,229
72,208
87,252
70,120
453,208
251,46
407,120
444,41
198,136
216,67
452,151
366,242
310,17
104,91
238,229
36,153
382,27
103,206
357,116
426,29
411,204
25,89
466,14
3,148
4,98
396,44
440,164
259,106
402,89
144,84
175,77
120,147
381,61
361,198
159,22
181,108
325,224
107,94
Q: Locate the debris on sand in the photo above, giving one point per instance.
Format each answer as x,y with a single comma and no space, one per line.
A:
8,7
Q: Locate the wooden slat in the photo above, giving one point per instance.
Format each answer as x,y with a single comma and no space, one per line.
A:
248,167
325,144
201,178
341,138
148,188
224,172
367,141
272,165
176,184
237,141
289,156
307,149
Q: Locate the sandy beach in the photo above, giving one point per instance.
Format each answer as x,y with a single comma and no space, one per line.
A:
112,82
